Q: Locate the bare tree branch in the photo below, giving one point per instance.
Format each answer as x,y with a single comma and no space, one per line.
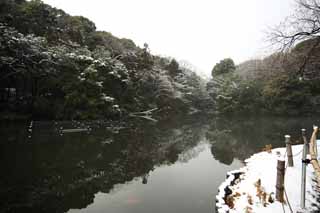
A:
303,25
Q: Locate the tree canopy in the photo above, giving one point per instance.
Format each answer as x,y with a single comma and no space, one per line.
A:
224,66
57,66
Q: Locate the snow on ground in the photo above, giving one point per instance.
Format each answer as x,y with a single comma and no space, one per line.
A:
254,191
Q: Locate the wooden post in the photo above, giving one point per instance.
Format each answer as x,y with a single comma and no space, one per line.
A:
280,181
314,155
303,172
315,146
289,150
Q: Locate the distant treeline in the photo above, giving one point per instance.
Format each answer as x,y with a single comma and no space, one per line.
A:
282,83
57,66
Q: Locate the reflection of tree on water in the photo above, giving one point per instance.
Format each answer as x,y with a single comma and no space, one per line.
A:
67,171
192,153
222,146
145,179
241,137
54,174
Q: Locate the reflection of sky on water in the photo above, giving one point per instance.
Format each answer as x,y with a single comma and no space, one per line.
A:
181,187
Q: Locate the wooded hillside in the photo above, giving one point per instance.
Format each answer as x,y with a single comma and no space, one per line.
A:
57,66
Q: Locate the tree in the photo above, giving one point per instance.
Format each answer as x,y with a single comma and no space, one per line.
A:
35,17
304,25
25,62
173,67
145,58
79,28
224,66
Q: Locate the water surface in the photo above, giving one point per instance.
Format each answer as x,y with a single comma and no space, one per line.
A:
172,166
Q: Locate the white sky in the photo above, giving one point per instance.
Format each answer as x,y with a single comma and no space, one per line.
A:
200,31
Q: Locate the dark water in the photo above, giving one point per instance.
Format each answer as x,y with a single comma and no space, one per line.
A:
173,166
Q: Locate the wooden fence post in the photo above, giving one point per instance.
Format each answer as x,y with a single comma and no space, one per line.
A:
280,181
289,150
314,154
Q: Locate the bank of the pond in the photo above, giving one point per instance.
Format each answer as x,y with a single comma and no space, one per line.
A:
252,188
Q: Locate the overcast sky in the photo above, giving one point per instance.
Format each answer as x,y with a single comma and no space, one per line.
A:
200,31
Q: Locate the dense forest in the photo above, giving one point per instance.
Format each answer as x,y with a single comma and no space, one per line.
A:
57,66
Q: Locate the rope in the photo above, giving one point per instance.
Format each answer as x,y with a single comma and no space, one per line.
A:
284,211
285,192
294,155
285,154
297,153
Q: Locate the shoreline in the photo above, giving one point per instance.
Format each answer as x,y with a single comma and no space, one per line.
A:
252,187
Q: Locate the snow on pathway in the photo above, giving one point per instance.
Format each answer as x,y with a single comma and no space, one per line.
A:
254,191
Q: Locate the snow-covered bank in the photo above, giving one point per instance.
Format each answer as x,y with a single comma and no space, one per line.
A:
252,188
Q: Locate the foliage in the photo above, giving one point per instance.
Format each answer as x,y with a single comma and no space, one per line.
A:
224,66
67,79
231,94
286,94
57,66
191,90
270,85
173,68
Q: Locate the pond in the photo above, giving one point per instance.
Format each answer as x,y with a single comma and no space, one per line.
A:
137,167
